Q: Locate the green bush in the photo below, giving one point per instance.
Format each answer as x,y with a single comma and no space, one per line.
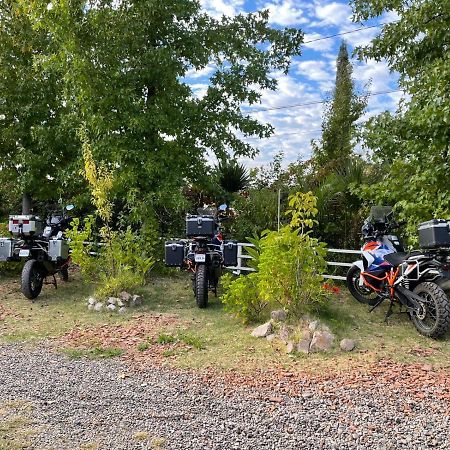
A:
290,264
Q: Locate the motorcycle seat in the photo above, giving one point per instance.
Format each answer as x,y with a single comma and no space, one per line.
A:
395,259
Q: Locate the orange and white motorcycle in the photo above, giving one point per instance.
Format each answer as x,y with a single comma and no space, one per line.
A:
414,281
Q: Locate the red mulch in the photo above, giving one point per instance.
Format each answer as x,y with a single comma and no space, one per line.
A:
417,380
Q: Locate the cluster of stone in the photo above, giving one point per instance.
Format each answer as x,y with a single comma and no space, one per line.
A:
120,304
311,336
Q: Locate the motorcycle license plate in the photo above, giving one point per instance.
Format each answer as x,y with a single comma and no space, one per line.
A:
200,258
24,253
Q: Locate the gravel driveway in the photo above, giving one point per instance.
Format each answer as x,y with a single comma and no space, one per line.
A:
91,404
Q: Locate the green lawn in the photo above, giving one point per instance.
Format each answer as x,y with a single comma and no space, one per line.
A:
211,337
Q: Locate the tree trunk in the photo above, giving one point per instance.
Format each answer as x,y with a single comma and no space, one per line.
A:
26,204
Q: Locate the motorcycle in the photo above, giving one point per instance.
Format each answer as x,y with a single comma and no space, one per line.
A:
46,250
415,281
205,254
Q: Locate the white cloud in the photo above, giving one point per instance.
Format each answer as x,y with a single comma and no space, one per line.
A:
219,8
285,13
205,72
320,46
315,70
333,13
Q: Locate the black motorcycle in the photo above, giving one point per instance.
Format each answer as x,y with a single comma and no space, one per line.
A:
205,254
44,247
415,281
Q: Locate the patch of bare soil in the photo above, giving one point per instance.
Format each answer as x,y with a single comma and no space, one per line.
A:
143,329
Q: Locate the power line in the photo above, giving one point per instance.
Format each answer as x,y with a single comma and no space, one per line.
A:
298,105
347,32
286,134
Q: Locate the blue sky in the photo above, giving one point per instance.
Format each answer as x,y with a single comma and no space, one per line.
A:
312,74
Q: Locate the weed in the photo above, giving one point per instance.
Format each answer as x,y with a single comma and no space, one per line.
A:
140,436
143,346
192,340
158,443
164,338
167,353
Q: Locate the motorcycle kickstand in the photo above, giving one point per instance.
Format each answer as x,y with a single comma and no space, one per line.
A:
389,312
377,304
54,282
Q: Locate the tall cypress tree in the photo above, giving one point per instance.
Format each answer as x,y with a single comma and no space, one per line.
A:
342,111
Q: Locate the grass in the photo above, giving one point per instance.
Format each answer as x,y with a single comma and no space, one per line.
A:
15,430
216,338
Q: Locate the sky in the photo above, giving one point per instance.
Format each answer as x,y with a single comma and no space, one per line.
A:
311,77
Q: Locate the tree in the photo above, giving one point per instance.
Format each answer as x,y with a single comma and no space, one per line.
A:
341,114
124,66
37,150
412,145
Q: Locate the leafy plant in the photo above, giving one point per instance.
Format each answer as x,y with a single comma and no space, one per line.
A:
122,261
289,267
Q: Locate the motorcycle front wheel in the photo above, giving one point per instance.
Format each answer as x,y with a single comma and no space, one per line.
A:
201,286
32,279
363,294
433,319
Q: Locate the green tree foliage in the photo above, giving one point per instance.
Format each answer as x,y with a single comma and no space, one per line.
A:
124,65
339,122
232,177
37,146
412,145
289,263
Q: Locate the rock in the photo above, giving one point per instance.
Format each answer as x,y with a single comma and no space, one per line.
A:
113,300
263,330
136,301
303,345
90,307
313,326
271,337
111,307
321,341
125,296
347,345
98,306
91,301
122,310
120,303
279,315
290,347
285,333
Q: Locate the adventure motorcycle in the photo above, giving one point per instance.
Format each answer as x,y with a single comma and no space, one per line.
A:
415,281
46,250
205,254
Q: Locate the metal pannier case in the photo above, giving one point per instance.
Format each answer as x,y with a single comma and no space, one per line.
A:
58,249
200,226
26,225
230,253
6,249
174,252
434,234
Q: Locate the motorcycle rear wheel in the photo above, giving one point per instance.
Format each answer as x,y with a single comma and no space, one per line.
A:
434,319
362,294
201,286
32,279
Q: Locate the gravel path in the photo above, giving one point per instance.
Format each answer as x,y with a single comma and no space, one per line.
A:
80,402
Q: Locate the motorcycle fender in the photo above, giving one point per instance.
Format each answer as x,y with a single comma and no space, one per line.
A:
359,264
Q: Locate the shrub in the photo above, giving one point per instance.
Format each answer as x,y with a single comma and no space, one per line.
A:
289,263
242,298
122,261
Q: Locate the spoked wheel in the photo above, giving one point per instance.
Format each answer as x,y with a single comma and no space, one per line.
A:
201,286
363,294
32,279
433,319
